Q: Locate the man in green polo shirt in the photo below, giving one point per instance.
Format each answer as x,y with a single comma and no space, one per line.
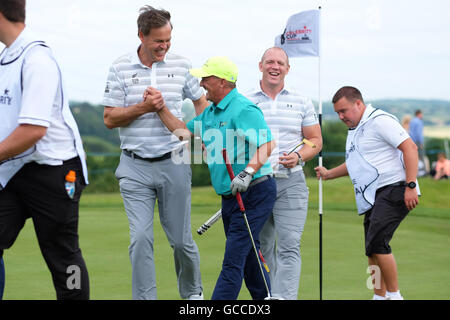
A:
233,122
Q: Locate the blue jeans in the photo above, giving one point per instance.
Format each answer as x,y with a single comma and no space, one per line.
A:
2,278
240,260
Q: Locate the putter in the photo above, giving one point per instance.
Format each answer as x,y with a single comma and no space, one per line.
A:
208,223
304,141
242,209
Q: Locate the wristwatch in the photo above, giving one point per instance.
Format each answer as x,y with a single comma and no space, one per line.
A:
250,171
300,160
411,184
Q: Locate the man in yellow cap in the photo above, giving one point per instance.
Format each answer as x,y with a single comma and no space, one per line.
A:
232,117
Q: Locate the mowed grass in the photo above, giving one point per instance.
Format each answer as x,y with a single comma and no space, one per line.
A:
421,246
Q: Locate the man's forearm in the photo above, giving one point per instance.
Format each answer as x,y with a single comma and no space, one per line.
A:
410,159
115,117
337,172
175,125
308,152
314,135
21,139
261,155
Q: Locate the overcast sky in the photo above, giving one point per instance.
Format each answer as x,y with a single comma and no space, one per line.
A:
387,48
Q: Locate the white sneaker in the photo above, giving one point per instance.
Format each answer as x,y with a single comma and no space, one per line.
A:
377,297
274,298
393,296
196,296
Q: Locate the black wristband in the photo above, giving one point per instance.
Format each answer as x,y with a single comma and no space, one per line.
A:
300,159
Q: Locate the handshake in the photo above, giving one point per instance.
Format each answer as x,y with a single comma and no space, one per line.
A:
153,100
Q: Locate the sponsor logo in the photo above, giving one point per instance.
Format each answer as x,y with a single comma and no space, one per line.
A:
5,98
350,150
297,36
134,79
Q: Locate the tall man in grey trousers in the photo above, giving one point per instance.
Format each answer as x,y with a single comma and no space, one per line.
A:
147,171
290,117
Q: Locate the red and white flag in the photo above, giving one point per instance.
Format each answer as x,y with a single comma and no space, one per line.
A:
301,35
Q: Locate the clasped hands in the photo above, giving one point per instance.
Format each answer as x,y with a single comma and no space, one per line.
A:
153,100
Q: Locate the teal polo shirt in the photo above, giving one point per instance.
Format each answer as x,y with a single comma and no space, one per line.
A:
237,125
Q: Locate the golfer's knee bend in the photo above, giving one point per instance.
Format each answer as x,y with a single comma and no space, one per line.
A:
140,238
290,242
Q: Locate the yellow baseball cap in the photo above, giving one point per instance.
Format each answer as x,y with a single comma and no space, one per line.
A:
221,67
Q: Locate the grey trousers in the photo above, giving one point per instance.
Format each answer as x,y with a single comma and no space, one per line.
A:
281,235
141,183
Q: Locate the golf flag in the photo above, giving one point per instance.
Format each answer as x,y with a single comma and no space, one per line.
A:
301,35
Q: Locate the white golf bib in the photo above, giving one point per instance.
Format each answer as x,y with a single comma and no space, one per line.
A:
364,176
11,65
10,105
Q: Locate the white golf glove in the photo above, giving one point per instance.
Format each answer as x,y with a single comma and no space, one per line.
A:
241,182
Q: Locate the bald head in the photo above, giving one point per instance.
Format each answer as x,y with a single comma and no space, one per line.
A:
274,66
278,50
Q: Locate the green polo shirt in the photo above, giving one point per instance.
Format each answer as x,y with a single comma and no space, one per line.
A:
237,125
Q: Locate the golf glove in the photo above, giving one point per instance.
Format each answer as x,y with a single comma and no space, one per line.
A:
241,182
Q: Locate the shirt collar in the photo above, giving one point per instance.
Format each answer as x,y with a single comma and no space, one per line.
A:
366,115
259,91
18,45
226,100
137,60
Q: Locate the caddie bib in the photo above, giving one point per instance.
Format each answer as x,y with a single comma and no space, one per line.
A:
10,105
364,176
11,65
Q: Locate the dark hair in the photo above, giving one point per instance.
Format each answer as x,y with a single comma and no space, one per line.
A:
350,93
418,112
150,17
13,10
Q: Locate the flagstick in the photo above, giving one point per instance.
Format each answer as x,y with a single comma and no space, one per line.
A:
320,164
280,41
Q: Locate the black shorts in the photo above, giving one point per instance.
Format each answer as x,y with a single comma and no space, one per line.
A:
383,219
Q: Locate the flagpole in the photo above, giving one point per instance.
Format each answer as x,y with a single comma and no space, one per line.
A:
296,47
320,161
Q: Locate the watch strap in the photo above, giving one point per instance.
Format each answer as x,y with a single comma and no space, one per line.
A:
300,159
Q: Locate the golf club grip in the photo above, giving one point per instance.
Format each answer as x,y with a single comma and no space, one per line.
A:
231,174
208,223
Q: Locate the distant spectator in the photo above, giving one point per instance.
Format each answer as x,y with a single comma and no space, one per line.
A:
405,122
442,167
416,134
416,130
